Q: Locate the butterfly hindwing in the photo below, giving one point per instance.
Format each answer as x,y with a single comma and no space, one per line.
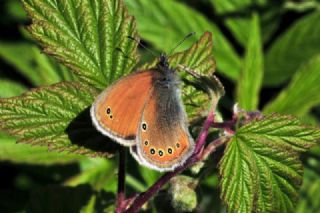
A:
163,140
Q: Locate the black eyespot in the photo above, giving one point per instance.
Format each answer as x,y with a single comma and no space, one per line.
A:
160,152
146,143
178,145
170,151
108,110
152,151
111,116
144,126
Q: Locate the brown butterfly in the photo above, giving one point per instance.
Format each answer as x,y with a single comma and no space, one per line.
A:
144,111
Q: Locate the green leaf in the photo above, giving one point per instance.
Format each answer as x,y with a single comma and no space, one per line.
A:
309,119
302,93
24,153
198,58
237,17
165,22
10,88
38,68
250,80
309,196
149,176
229,6
55,116
60,199
98,172
85,36
14,8
261,170
292,49
302,6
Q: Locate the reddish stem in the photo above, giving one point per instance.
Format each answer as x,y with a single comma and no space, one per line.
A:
212,147
227,126
144,197
121,181
204,132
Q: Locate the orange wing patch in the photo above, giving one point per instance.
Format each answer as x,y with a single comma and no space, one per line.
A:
162,147
167,154
118,109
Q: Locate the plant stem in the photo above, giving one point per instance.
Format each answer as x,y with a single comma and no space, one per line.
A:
204,132
212,147
227,126
121,180
144,197
222,125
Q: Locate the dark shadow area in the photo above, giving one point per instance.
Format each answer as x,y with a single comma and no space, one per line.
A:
17,180
67,199
82,133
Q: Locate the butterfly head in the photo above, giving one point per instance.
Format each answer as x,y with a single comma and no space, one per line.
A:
163,64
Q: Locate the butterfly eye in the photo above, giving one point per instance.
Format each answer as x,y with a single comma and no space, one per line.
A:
144,126
170,151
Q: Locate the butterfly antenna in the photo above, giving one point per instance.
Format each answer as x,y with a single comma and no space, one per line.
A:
142,45
124,54
185,38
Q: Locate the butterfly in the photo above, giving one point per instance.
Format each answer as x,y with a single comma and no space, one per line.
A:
144,111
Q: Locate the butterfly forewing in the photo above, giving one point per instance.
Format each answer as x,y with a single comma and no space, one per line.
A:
117,111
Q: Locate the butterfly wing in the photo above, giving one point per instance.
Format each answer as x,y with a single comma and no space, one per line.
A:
117,110
163,140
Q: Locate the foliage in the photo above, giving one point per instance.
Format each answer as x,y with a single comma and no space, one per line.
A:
272,63
262,164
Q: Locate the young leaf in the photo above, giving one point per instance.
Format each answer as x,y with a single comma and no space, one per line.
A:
38,68
90,37
302,93
56,116
183,195
165,22
252,73
291,50
261,170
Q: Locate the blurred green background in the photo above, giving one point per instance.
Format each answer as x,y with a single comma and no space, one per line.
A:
34,180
